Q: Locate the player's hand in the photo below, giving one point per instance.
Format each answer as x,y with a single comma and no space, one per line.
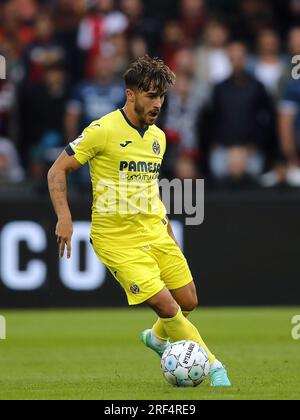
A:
64,233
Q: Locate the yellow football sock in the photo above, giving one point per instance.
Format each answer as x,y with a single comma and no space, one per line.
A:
180,328
158,328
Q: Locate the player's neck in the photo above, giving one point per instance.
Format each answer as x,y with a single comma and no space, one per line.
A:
133,117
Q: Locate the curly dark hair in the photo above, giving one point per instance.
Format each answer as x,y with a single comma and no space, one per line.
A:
149,73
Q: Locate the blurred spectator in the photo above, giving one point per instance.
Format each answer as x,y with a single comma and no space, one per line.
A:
91,36
185,62
12,51
141,26
48,116
293,43
241,112
289,127
102,22
161,10
137,47
37,36
26,9
269,65
252,17
172,42
67,15
10,169
16,22
213,65
184,105
7,108
192,20
45,49
133,9
220,7
119,48
92,100
294,9
286,167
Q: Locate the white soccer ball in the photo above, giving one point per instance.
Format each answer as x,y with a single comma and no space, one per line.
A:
185,364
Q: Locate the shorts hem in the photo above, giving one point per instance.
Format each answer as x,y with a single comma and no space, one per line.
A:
182,284
132,303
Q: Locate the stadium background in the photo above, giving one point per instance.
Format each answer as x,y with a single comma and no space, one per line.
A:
64,63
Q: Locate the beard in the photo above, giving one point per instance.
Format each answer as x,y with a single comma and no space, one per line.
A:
141,113
145,118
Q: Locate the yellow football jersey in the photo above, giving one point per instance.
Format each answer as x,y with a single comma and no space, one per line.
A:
125,163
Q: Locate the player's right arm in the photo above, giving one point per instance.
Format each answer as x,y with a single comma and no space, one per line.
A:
57,183
91,143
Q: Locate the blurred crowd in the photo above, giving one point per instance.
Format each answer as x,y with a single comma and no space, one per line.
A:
233,116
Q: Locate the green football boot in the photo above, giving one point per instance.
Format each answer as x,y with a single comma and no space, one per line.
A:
146,338
219,378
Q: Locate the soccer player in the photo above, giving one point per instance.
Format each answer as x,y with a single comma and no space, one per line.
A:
130,232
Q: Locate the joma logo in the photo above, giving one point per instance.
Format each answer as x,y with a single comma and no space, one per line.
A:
2,67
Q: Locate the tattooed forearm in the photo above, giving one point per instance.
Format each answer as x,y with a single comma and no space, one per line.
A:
57,183
57,187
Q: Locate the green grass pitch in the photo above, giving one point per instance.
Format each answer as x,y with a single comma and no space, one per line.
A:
96,354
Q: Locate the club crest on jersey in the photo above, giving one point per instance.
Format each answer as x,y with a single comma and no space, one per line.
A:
156,147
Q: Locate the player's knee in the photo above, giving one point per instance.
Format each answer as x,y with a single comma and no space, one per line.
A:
168,311
190,303
165,308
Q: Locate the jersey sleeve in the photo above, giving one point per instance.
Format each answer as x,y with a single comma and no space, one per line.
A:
91,143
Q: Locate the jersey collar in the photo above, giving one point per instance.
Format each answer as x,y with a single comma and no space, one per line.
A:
141,131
